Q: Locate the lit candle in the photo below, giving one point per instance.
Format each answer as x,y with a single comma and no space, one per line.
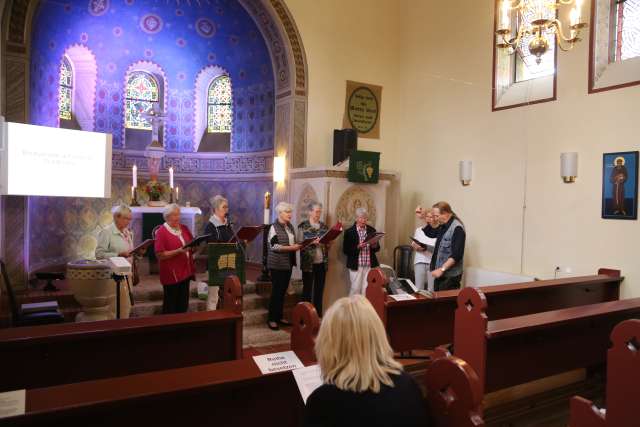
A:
573,15
133,192
177,193
171,177
578,11
267,217
505,22
135,175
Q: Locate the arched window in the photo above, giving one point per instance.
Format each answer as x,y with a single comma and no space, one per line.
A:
219,105
66,89
142,91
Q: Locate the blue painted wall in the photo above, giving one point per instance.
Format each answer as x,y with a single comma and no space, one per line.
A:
182,37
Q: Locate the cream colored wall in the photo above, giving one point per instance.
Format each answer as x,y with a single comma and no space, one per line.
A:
437,111
348,40
447,117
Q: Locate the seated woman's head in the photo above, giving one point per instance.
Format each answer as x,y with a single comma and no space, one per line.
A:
352,347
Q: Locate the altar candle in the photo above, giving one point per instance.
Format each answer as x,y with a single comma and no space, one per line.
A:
171,177
177,193
133,192
135,175
267,216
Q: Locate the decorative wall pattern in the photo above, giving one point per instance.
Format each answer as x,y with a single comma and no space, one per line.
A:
352,199
181,38
73,224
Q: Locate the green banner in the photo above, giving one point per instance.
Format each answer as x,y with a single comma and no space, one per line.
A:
364,166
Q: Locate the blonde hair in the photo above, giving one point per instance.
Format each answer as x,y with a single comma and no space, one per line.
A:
352,347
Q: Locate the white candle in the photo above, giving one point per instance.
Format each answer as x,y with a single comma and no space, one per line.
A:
267,217
578,11
505,22
171,177
133,192
177,193
135,175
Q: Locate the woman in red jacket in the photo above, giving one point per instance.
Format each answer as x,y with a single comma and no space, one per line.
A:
175,263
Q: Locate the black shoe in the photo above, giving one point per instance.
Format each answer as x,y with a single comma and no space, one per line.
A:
273,326
284,322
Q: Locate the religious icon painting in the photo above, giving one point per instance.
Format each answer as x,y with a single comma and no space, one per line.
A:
620,185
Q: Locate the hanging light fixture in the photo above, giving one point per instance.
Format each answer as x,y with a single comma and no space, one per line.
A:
544,23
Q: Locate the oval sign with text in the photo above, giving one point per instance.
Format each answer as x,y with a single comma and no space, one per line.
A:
363,109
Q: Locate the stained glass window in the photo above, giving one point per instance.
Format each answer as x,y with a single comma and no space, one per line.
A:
627,35
66,89
219,105
142,91
526,63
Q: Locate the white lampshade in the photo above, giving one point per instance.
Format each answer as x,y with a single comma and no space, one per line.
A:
569,167
279,168
466,168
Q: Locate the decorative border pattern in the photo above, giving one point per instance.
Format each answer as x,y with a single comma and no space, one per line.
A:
198,163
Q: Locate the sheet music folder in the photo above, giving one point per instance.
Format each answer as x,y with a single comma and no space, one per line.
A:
195,242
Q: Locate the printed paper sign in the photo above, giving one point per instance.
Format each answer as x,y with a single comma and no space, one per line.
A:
12,403
278,362
402,297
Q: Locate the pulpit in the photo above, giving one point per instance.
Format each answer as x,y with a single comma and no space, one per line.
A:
340,199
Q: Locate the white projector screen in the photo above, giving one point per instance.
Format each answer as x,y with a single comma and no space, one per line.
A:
45,161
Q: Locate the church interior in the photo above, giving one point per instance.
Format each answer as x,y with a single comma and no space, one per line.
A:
467,170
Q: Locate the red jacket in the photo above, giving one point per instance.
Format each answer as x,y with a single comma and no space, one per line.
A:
180,267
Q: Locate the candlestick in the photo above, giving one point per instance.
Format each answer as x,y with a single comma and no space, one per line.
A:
171,177
134,172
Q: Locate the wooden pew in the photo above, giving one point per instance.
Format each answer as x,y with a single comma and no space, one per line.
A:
425,323
517,350
74,352
452,386
232,393
623,383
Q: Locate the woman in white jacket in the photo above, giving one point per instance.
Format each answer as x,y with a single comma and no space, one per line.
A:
422,257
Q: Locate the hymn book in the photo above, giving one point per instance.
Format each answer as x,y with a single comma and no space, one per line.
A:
247,233
195,242
423,245
141,246
373,238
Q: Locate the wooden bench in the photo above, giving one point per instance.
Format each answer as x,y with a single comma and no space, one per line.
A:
425,323
452,387
231,393
41,356
521,349
623,383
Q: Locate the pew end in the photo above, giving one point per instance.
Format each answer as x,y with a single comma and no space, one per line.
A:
232,294
470,327
454,393
610,272
376,292
306,324
623,378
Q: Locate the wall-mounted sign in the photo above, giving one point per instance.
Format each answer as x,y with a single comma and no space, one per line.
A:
362,109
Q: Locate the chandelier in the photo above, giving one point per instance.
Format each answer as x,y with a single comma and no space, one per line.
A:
540,25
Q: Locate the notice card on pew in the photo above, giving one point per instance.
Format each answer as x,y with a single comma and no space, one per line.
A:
308,379
402,297
12,403
278,362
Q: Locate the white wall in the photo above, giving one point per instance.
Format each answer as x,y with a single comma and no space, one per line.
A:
434,60
447,116
348,40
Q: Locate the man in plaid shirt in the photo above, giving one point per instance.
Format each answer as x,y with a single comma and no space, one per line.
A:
361,257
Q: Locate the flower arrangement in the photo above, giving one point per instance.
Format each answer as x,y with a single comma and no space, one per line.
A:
155,190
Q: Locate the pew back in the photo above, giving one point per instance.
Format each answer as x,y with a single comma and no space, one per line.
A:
520,349
74,352
425,323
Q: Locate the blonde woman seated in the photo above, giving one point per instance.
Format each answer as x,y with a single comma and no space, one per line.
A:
363,384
